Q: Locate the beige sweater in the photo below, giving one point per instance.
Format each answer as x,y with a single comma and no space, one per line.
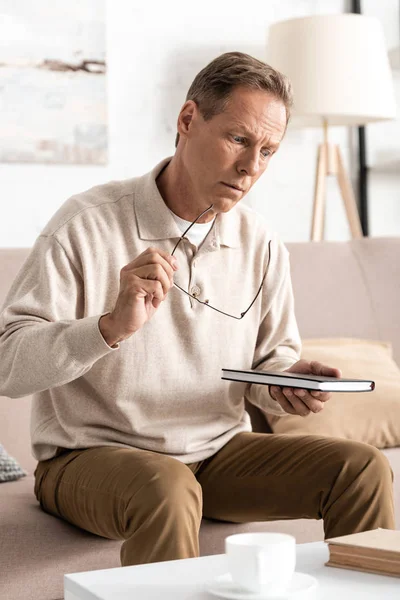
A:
161,389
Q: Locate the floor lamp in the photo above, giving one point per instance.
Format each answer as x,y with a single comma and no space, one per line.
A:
339,69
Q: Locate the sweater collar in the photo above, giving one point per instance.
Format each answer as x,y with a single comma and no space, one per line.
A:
155,221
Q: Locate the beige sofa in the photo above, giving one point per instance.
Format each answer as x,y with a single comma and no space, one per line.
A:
346,289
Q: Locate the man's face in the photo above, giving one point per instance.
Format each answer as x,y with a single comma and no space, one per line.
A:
226,155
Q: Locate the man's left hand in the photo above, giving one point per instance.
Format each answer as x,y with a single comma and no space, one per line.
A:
298,401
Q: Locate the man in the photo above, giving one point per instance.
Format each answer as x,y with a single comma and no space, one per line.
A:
119,325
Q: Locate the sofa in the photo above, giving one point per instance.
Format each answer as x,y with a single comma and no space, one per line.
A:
342,289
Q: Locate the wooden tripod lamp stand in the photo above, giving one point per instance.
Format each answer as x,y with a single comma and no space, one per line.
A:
330,162
339,69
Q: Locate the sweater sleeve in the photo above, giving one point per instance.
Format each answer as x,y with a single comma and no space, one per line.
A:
44,340
278,344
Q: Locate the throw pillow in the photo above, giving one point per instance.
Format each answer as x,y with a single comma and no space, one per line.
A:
371,417
9,467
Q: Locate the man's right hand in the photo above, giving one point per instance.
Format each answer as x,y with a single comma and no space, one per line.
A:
144,284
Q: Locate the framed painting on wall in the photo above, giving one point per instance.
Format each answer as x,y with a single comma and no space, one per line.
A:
53,82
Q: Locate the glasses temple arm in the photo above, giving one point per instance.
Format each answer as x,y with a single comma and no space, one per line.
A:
191,225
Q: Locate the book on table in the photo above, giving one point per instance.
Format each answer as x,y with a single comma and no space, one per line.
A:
375,551
299,380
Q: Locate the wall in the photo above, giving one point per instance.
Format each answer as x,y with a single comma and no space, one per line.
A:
153,55
383,139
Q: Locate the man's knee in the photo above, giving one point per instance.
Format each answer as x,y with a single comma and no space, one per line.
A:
172,489
357,458
176,485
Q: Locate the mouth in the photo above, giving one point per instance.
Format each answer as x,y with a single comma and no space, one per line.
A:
233,187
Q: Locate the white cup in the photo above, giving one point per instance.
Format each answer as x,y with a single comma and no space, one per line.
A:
262,563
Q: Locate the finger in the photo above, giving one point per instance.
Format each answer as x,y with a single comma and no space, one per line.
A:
276,393
319,369
154,256
315,405
151,290
298,404
171,260
323,396
156,273
145,260
314,393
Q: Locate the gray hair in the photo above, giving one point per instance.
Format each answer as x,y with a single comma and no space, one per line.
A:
213,85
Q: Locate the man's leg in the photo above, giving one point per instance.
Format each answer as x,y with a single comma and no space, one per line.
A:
151,501
264,477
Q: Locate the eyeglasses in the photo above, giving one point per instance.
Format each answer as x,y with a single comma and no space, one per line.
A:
206,302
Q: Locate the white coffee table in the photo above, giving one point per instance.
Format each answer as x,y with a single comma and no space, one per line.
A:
186,580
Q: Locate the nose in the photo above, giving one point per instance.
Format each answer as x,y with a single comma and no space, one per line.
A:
249,164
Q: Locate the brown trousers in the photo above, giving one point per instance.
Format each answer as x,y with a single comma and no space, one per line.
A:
155,503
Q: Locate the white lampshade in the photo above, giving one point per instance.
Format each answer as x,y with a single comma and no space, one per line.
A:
338,66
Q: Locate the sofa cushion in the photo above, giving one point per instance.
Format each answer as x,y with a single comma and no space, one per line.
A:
10,470
371,417
348,289
37,549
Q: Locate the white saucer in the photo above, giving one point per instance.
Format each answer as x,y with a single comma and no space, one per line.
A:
301,586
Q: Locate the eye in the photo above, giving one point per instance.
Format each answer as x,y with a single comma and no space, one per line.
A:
238,139
266,153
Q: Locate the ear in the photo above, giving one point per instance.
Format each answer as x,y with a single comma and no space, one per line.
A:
187,115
